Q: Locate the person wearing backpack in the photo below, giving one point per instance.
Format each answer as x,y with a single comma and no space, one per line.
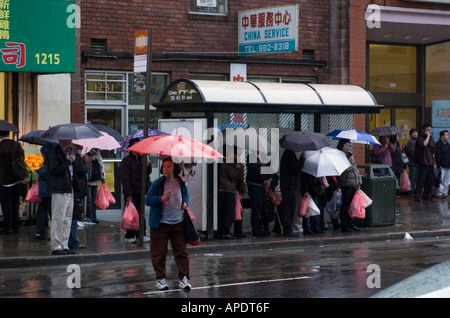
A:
96,175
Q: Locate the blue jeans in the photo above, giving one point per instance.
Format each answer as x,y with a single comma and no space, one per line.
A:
73,242
91,209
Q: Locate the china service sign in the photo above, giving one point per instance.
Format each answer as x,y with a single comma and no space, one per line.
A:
268,30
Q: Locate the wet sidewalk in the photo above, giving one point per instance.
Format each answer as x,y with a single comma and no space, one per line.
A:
105,241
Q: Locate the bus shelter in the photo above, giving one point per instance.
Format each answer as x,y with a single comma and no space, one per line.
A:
206,98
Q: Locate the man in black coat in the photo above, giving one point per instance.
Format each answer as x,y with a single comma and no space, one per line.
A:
10,186
425,150
62,185
131,177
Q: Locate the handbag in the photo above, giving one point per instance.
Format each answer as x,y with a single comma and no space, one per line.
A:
334,205
130,219
192,235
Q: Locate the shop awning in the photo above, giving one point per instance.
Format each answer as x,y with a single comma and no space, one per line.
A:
248,97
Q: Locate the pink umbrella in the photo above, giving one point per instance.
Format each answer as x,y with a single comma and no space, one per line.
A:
105,142
175,146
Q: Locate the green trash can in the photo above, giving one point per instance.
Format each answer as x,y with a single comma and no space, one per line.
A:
379,183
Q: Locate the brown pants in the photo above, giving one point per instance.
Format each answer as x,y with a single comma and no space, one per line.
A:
159,240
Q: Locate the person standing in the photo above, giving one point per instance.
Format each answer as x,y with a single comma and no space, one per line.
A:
167,198
131,176
349,181
385,149
229,178
290,168
397,163
96,175
258,184
44,207
10,186
410,152
80,173
443,164
62,185
425,150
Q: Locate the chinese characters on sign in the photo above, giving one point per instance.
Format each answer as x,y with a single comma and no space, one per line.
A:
37,36
268,30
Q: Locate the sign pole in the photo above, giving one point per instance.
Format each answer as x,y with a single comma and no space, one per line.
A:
144,156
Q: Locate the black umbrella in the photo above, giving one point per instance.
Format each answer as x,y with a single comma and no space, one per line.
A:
7,126
35,137
71,131
303,140
385,131
110,131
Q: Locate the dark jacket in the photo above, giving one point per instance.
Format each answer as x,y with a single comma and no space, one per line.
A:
153,199
59,179
290,168
442,154
130,174
425,154
6,159
80,173
410,151
43,192
231,177
254,176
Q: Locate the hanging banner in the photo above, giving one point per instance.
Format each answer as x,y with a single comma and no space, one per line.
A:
268,30
38,36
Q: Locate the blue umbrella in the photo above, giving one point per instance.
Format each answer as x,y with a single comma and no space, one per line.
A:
139,134
355,136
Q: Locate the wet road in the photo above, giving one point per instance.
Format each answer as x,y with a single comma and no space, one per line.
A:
334,271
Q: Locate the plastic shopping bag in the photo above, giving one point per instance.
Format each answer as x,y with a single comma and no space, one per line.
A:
405,184
303,205
333,206
313,209
366,201
32,194
237,206
357,209
104,197
130,219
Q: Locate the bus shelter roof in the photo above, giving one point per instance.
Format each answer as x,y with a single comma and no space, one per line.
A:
262,97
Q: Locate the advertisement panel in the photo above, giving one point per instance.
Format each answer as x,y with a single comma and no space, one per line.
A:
268,30
38,36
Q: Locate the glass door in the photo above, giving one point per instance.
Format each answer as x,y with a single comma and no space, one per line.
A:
113,117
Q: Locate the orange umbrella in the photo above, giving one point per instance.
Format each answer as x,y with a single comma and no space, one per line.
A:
175,146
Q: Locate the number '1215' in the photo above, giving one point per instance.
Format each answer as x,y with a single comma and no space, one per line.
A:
44,58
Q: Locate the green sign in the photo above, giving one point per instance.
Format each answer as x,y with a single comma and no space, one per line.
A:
38,36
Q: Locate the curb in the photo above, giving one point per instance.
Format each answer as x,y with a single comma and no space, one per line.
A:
51,260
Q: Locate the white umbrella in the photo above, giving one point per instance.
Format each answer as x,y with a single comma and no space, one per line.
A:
325,162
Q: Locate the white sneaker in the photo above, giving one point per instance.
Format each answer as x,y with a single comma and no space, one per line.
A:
130,240
184,284
161,284
146,239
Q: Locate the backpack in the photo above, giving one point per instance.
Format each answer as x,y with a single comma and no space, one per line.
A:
95,172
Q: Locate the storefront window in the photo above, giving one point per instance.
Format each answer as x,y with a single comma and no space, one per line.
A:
136,102
393,68
105,87
437,73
